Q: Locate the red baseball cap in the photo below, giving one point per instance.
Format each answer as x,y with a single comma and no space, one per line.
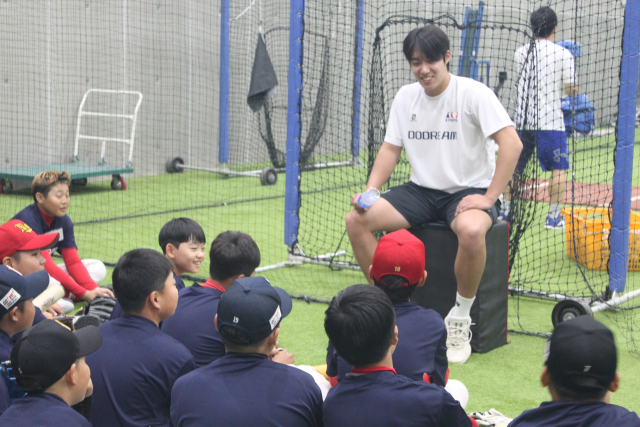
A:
400,253
15,236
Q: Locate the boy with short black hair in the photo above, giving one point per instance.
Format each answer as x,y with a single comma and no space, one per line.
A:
233,255
138,365
182,241
48,214
398,269
580,373
360,322
49,363
244,387
16,312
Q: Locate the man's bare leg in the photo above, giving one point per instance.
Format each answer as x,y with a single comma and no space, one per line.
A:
471,228
557,186
382,216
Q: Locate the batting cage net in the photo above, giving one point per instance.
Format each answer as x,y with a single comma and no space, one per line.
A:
265,116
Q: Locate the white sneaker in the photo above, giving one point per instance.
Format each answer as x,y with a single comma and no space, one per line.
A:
491,418
66,304
458,338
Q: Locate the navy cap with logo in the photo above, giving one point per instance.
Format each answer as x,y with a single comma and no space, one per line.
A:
581,355
46,352
255,307
15,288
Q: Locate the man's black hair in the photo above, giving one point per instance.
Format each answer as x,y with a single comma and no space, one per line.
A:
430,41
180,230
238,335
543,21
567,393
392,286
360,323
233,253
138,273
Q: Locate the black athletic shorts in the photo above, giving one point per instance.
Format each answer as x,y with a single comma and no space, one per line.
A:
420,205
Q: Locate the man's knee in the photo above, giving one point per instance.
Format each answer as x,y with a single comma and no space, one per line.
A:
354,221
471,234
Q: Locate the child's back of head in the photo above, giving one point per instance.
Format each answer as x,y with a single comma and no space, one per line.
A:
360,322
398,265
137,274
232,254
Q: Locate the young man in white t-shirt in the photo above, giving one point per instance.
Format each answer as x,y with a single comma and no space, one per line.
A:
447,125
546,70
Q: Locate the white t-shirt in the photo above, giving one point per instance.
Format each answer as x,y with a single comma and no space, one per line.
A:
446,137
543,72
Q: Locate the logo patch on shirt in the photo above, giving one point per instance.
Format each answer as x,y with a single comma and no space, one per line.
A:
275,319
451,117
413,118
11,298
24,228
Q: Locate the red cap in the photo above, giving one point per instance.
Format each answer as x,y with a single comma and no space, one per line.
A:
400,253
16,236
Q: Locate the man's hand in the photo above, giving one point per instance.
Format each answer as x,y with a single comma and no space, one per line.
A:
282,356
474,201
354,202
97,292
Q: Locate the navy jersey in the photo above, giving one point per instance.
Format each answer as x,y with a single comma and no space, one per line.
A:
5,354
117,312
421,347
384,399
246,390
192,323
33,218
133,373
577,414
42,409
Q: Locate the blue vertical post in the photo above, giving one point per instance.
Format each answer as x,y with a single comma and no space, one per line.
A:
294,117
223,114
473,71
624,152
357,80
463,39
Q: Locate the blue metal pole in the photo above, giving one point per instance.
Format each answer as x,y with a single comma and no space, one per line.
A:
294,113
357,80
473,72
623,174
223,125
463,40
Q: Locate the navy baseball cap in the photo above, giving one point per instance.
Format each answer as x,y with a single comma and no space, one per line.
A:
255,307
581,355
46,352
15,288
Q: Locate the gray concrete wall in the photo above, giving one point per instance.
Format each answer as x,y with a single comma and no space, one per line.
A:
54,51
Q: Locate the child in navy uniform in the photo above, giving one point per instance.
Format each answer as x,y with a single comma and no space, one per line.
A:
245,388
233,255
16,312
48,214
398,269
182,241
49,362
138,364
21,250
360,322
580,373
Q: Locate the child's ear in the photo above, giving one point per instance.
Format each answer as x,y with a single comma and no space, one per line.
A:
170,250
6,261
70,376
13,314
40,198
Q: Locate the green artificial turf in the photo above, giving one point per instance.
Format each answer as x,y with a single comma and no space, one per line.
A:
108,223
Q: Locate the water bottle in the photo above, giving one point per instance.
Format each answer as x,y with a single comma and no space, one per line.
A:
368,198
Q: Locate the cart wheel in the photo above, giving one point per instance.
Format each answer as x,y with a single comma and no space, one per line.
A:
80,182
173,165
118,183
568,309
268,176
6,186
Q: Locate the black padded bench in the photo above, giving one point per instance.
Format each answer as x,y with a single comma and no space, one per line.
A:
489,310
